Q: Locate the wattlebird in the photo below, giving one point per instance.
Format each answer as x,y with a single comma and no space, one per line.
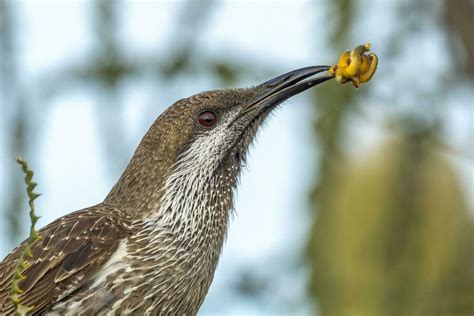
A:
152,245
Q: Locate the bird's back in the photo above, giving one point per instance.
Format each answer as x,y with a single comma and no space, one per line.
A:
68,254
97,261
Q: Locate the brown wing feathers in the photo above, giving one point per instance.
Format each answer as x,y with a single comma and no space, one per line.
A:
70,251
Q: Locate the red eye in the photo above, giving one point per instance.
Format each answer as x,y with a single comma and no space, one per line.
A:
207,119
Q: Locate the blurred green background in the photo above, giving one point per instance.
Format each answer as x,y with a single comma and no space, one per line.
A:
386,218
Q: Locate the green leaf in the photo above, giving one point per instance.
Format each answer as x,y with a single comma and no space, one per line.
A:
22,264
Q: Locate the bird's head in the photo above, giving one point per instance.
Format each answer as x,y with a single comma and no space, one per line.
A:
200,142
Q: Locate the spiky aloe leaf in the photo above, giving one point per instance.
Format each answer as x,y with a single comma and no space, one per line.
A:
22,263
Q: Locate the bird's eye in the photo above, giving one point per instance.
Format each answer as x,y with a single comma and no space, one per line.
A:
207,119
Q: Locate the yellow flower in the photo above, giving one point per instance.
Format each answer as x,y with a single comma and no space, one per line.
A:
355,66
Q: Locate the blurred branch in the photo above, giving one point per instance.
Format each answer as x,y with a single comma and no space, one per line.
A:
14,106
332,105
458,18
183,41
333,108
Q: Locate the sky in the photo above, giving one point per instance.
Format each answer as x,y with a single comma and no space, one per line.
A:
270,222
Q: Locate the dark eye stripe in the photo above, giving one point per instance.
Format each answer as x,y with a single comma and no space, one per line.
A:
207,119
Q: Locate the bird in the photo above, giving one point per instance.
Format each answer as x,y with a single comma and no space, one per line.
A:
152,246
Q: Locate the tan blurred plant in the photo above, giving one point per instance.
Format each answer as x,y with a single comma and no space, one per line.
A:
396,237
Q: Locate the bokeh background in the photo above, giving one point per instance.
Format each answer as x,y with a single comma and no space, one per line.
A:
355,202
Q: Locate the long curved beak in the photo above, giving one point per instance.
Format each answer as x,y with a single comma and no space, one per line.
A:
285,86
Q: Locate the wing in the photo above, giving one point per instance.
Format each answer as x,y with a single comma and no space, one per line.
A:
70,251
